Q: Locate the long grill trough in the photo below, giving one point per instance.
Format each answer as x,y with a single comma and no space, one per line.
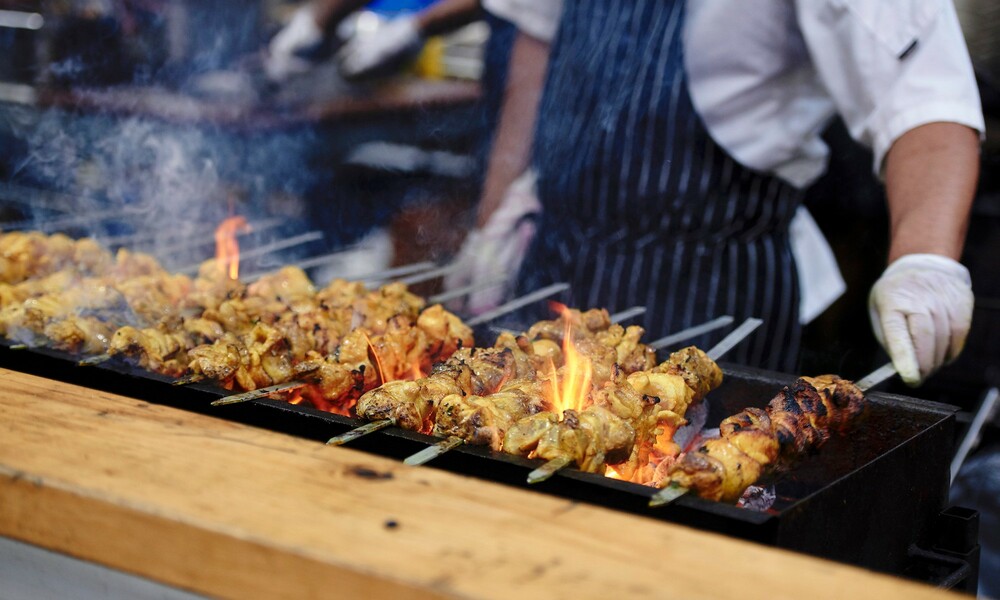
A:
875,497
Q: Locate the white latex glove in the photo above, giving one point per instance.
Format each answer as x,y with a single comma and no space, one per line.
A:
366,52
301,34
921,310
495,252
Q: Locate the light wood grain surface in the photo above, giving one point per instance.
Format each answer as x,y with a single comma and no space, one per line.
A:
229,510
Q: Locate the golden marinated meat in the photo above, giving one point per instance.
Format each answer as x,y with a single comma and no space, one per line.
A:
651,403
203,330
523,436
591,439
32,288
446,333
254,360
154,349
374,310
469,372
288,285
751,432
700,372
79,334
32,255
218,360
333,386
410,404
484,420
582,324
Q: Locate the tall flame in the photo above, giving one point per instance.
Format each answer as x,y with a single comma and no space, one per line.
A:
573,388
227,249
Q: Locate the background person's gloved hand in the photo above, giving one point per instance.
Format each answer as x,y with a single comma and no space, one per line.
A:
365,53
921,310
496,251
285,52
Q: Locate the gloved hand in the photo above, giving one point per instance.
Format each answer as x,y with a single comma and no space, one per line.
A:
367,52
284,52
921,310
495,252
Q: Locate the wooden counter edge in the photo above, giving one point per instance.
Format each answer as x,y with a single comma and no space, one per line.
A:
60,490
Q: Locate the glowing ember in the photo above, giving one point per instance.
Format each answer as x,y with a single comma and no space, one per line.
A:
227,249
611,473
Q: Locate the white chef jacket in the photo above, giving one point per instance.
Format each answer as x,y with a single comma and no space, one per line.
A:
767,76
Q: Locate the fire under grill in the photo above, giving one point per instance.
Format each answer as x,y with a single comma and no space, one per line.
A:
875,497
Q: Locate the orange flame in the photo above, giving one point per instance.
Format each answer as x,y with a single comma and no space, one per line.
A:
227,249
577,371
415,371
375,359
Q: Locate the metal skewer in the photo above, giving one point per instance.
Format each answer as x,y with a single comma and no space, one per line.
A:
374,426
350,436
94,360
367,277
691,332
463,291
193,233
549,469
431,452
305,238
735,337
673,490
627,314
66,222
509,307
385,274
432,274
259,393
188,379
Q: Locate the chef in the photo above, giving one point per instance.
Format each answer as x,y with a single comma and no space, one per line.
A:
672,141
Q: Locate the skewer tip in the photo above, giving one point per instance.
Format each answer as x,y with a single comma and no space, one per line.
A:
431,452
188,379
350,436
672,492
548,469
94,360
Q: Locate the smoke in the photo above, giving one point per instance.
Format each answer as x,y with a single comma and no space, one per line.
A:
147,160
137,175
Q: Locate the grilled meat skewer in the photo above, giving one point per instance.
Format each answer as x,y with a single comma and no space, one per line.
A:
797,421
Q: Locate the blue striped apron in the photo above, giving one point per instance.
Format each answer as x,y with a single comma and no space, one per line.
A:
641,206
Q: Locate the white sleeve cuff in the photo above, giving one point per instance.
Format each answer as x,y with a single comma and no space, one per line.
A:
887,132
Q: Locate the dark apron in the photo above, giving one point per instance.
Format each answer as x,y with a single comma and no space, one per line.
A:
641,206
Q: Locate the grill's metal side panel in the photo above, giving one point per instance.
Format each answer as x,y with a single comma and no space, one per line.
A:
871,517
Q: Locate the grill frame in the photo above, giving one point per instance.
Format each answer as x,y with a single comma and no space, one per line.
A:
869,514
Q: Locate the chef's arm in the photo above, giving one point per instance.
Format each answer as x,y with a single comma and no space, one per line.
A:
930,176
921,307
447,15
510,155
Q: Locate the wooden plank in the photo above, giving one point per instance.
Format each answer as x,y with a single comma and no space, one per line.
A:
229,510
